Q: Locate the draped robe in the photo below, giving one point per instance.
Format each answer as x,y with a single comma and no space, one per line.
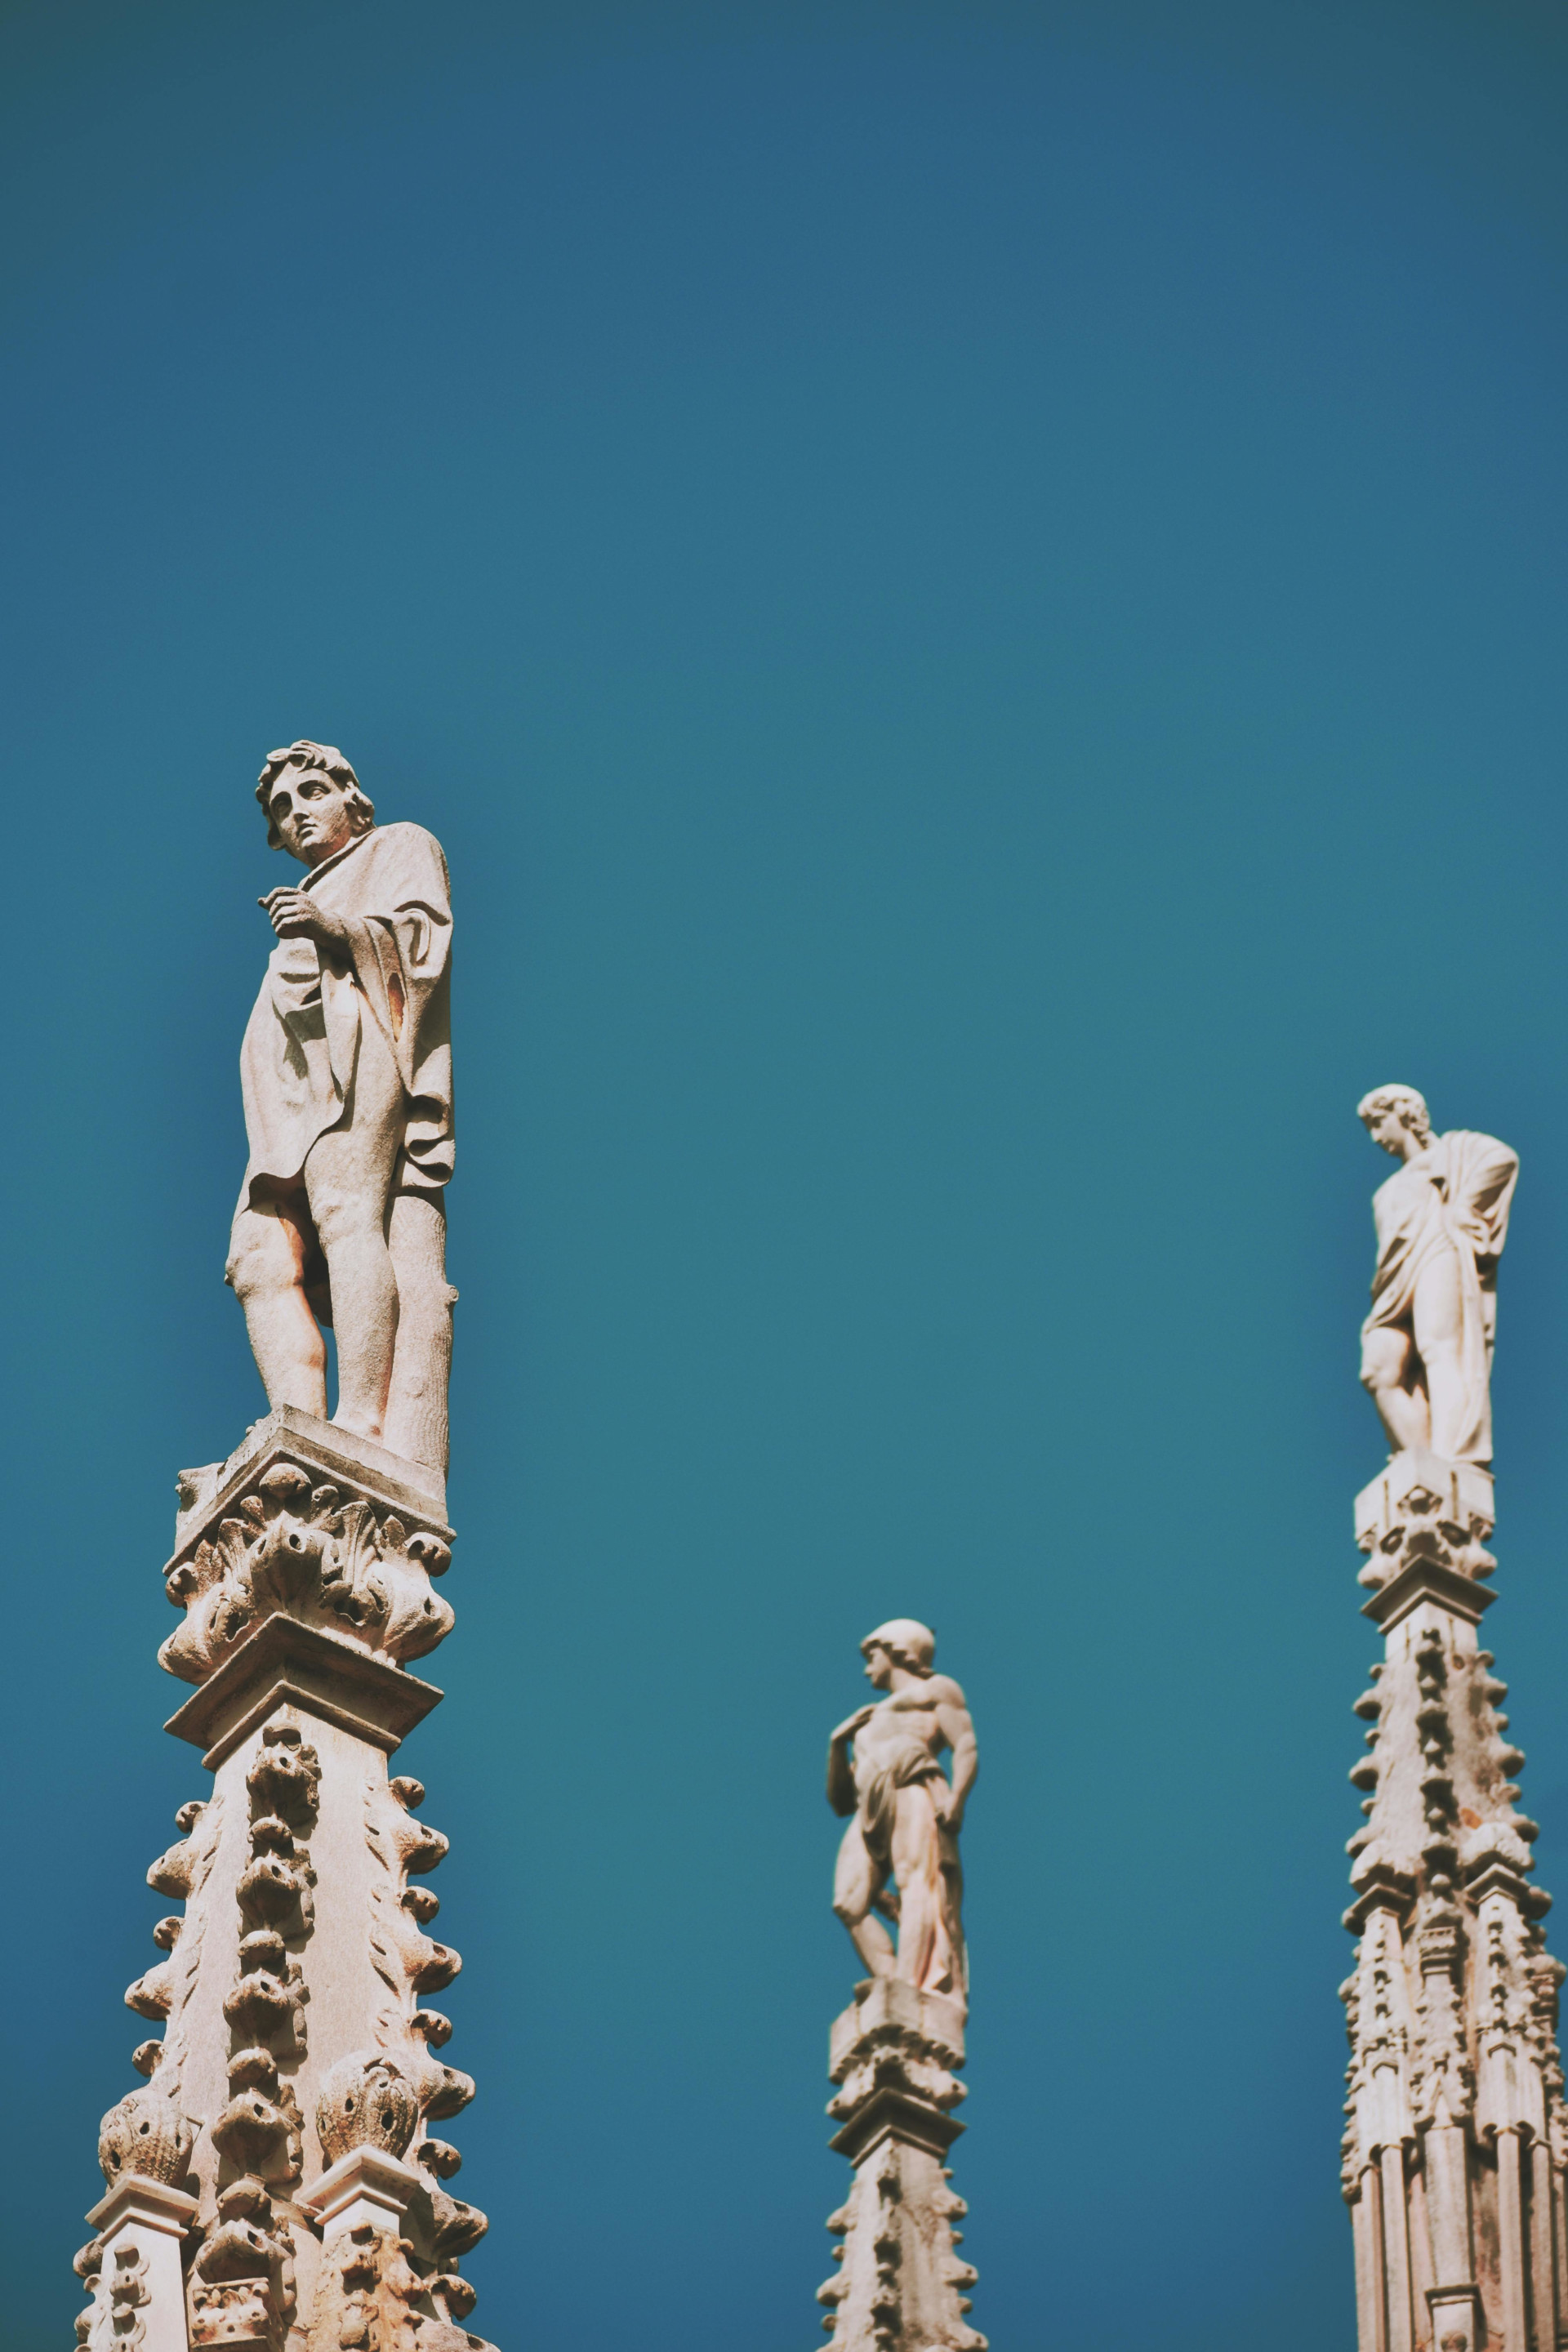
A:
1453,1197
301,1042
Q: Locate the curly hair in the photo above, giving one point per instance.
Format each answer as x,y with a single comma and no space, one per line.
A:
1410,1106
332,763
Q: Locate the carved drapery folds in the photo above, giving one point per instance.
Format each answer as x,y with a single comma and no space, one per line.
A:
315,1554
1456,2140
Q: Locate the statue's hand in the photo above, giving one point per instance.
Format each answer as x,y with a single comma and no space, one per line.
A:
295,915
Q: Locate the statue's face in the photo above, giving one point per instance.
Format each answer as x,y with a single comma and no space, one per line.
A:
1392,1129
312,814
879,1668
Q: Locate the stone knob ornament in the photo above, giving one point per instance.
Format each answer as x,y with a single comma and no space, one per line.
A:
365,2101
147,2136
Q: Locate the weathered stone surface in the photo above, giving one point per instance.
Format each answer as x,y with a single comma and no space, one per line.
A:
346,1071
900,2282
309,1524
1442,1221
296,2069
894,2054
1457,2136
294,1986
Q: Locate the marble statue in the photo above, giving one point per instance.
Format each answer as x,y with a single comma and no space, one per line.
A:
1442,1221
883,1772
346,1070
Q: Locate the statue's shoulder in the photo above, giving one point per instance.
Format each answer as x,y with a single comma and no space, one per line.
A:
404,834
1468,1147
407,848
945,1691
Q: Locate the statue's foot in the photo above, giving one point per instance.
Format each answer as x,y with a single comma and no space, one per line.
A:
359,1425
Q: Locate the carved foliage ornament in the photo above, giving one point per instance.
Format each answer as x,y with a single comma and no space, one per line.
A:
303,1550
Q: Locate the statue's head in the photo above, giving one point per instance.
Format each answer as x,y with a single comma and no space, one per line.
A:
1392,1114
901,1641
312,802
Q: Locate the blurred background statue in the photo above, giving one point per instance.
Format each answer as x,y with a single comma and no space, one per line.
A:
346,1071
1442,1221
883,1770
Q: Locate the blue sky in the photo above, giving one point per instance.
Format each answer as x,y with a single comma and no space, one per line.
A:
976,597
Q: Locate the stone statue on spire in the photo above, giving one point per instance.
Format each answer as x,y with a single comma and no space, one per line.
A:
346,1071
883,1770
896,2053
1442,1221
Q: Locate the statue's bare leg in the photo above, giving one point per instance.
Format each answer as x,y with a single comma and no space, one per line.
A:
1439,1325
421,1361
856,1882
917,1866
267,1270
348,1183
1387,1361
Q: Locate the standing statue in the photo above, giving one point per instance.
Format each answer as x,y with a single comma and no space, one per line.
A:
346,1070
1442,1221
883,1770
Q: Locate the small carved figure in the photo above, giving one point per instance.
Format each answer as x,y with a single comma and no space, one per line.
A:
1442,1221
883,1770
346,1071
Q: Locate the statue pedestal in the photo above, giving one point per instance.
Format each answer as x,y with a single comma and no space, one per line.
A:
894,2054
287,2111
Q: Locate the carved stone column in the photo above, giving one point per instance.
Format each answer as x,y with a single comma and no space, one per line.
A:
1455,2152
900,2281
277,2182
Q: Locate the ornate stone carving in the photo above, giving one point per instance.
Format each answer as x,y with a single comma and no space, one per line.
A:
127,2296
146,2134
259,2129
366,2295
1453,2158
366,2099
306,1570
242,2285
1421,1512
302,1548
164,1991
900,2285
407,1961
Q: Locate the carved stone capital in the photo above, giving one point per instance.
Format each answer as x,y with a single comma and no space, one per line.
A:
307,1520
1421,1508
894,2055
